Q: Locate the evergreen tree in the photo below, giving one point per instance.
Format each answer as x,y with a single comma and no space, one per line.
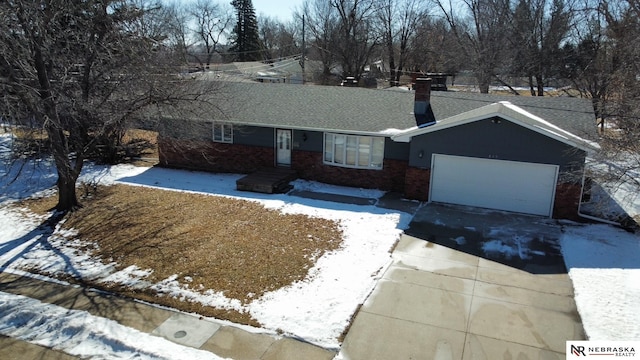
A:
246,45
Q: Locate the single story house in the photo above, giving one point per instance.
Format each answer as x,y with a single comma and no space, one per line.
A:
513,153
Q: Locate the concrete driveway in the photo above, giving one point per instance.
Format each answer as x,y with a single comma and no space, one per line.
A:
469,284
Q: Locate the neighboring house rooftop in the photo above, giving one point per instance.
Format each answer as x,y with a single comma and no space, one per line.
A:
371,111
249,71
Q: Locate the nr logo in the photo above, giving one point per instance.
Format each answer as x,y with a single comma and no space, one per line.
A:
578,350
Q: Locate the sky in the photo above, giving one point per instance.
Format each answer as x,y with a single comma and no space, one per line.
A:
281,9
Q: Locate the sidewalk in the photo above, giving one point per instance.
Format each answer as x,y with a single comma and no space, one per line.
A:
185,329
12,349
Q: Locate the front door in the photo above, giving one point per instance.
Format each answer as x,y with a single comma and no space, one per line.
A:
283,147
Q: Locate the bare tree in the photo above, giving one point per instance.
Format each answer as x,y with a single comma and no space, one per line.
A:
621,143
435,48
357,36
399,20
538,30
82,71
151,20
482,34
211,25
604,64
279,39
322,23
179,38
590,63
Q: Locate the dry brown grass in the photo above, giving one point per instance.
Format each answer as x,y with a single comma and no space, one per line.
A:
234,246
149,155
139,147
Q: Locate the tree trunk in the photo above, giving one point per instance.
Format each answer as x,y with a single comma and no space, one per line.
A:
68,170
484,82
398,74
392,74
326,75
67,198
392,63
540,83
401,61
531,88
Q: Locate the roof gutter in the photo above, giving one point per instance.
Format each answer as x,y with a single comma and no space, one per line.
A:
594,218
316,129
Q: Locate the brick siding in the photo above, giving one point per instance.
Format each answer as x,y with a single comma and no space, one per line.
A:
212,156
566,202
310,166
416,183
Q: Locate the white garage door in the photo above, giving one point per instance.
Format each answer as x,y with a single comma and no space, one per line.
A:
495,184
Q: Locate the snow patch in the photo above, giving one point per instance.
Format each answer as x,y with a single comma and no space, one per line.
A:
604,268
498,247
460,240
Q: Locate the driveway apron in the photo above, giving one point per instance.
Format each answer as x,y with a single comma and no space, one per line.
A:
469,284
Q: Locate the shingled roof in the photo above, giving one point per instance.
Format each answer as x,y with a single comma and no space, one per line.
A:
507,111
370,111
574,115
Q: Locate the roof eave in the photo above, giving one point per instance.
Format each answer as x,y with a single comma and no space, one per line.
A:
508,112
382,133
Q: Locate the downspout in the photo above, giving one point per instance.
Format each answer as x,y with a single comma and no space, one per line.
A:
590,217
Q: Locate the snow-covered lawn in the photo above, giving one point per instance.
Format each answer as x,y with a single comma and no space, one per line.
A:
603,263
604,266
317,309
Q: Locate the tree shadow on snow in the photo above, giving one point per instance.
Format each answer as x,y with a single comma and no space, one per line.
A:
23,245
79,296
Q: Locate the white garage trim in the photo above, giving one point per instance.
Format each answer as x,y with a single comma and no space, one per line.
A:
495,184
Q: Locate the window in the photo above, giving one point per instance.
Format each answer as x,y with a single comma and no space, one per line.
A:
362,152
222,132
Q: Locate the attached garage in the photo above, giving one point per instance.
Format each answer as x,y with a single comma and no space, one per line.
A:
495,184
500,157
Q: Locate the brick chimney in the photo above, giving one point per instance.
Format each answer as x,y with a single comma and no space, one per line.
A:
422,104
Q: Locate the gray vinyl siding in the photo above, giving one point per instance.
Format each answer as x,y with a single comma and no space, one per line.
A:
306,140
503,141
314,140
253,136
185,129
396,150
